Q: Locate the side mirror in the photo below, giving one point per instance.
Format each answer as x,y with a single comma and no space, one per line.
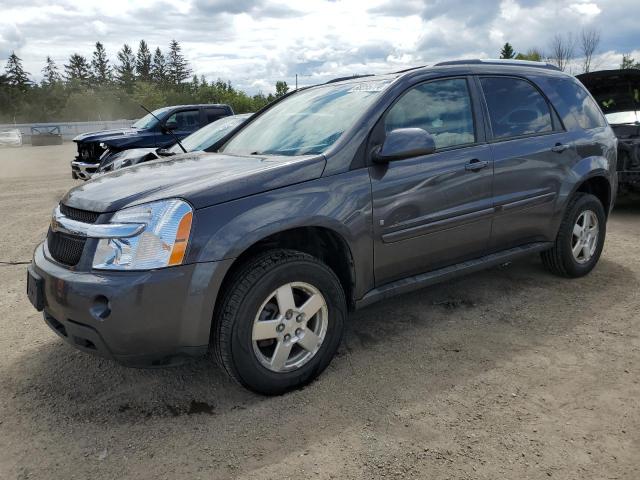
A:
405,143
172,125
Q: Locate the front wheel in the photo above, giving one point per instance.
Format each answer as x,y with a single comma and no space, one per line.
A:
580,238
280,321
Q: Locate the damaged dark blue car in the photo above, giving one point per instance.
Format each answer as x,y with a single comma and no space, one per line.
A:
155,130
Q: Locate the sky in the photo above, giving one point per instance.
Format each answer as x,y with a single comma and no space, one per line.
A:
254,43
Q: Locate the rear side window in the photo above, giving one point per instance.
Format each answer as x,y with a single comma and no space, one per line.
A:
442,108
516,107
186,119
580,104
213,114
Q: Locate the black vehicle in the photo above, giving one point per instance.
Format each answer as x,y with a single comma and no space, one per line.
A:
329,199
618,94
200,140
157,130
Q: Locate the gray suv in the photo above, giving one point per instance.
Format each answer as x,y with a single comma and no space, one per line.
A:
328,200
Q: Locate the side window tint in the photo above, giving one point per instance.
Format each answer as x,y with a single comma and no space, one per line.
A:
442,108
515,107
213,115
186,119
580,104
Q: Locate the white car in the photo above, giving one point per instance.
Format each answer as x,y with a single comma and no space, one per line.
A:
10,138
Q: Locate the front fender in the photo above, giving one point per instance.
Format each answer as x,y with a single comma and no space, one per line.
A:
341,203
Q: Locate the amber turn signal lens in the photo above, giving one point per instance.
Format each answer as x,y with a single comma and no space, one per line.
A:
182,237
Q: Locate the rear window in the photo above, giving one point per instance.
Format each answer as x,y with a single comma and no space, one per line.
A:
516,107
580,104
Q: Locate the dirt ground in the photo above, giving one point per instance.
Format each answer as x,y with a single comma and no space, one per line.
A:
511,373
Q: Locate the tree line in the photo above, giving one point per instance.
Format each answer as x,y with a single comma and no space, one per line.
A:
568,51
96,89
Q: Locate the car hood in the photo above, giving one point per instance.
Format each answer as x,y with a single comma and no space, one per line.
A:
104,135
614,90
201,178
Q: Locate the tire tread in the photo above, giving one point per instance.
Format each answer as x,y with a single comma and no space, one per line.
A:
553,259
235,290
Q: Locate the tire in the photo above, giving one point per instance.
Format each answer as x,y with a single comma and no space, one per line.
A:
253,291
560,259
74,175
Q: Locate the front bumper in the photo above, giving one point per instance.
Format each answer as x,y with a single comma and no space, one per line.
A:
150,318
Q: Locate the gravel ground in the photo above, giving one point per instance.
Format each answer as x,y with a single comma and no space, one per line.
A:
510,373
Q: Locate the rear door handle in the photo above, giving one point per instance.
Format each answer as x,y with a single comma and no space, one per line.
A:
475,165
560,147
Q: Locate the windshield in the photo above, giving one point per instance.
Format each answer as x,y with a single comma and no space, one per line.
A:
207,136
148,121
618,118
307,122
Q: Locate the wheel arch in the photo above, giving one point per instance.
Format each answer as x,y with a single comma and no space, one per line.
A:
597,184
320,241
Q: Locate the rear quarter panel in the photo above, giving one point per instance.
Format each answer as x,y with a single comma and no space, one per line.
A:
596,151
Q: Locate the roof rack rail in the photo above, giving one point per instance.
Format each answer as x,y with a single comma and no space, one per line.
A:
498,61
350,77
404,70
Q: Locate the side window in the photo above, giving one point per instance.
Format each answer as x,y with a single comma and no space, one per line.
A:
442,108
515,107
213,114
186,119
580,104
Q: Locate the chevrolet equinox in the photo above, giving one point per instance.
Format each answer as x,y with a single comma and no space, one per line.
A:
329,199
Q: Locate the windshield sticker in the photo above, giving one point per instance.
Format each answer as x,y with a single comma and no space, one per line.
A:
376,86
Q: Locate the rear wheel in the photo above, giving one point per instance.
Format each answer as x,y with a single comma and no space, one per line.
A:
280,321
580,238
74,175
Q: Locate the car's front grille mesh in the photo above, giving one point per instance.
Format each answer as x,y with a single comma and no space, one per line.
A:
66,249
83,216
63,247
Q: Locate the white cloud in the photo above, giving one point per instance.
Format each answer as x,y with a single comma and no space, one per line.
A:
254,43
100,27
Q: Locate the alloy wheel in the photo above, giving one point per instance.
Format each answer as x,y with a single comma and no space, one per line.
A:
584,239
290,327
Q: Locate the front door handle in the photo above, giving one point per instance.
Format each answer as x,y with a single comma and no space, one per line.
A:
475,165
560,147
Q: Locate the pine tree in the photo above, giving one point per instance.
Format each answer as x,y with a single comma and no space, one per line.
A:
100,65
159,67
507,51
16,76
143,62
50,73
281,88
78,70
177,67
126,70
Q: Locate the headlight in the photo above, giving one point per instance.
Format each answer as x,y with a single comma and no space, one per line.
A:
162,242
